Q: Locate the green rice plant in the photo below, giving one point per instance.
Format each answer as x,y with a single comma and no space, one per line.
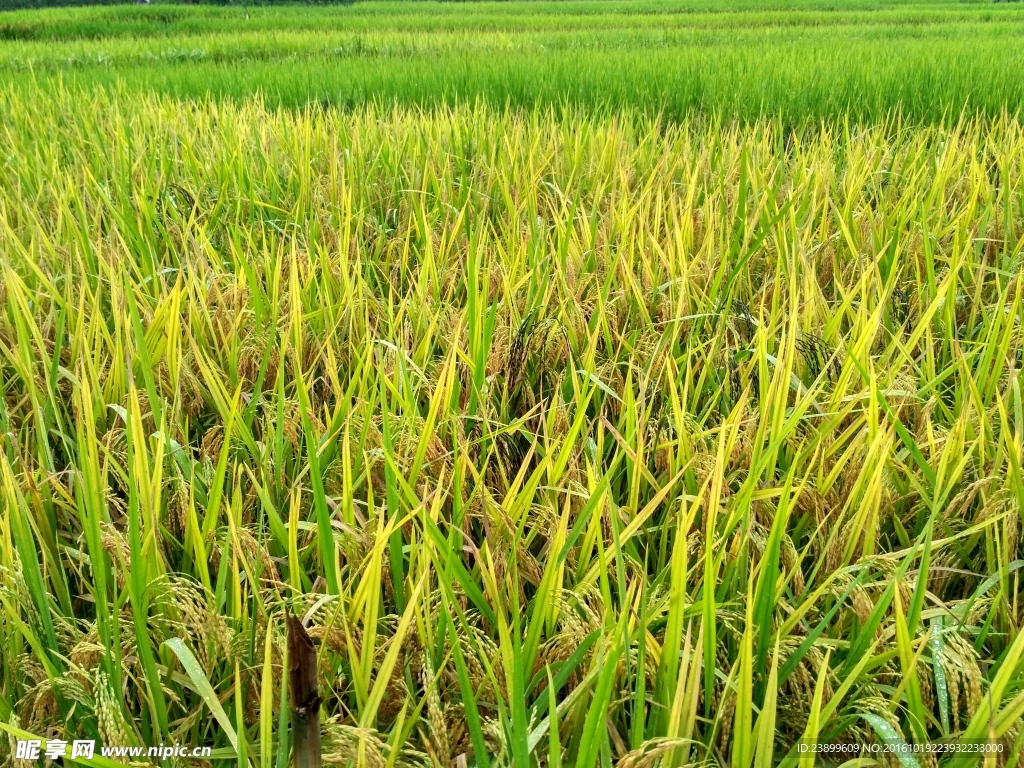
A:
930,60
574,439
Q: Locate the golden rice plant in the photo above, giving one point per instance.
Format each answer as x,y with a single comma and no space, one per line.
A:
575,440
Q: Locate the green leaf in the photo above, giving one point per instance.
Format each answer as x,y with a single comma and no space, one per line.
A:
202,686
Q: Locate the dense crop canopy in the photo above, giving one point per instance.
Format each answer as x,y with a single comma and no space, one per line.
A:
792,59
576,438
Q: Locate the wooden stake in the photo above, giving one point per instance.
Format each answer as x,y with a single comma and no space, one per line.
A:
305,697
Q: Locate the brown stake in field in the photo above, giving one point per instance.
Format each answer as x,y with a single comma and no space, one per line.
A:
305,698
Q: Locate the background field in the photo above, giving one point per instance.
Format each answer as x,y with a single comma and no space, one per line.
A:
606,384
797,59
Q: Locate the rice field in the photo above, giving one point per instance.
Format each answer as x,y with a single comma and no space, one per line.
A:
577,431
740,59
